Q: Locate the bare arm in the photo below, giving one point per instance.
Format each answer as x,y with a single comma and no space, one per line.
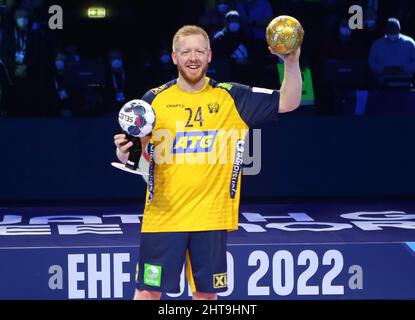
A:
291,87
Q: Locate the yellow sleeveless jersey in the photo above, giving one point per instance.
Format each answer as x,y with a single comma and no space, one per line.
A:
196,150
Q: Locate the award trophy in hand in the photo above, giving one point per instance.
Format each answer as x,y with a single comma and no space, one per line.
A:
284,34
136,119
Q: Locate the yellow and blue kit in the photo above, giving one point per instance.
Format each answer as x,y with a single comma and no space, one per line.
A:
196,154
192,200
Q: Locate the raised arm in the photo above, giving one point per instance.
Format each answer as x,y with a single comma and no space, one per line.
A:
292,85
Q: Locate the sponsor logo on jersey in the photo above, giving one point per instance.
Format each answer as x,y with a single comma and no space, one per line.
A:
237,165
159,89
151,173
213,107
194,141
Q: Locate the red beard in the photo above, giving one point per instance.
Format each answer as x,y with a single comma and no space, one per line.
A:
193,78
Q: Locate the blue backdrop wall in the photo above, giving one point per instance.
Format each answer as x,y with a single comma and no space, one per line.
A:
69,159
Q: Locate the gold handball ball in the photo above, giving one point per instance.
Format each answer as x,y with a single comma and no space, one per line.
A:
284,34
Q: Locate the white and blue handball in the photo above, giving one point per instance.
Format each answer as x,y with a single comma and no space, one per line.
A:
137,118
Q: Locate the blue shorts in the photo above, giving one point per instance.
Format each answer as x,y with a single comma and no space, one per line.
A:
163,254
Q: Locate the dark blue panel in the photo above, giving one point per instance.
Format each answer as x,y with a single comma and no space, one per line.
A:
90,252
301,156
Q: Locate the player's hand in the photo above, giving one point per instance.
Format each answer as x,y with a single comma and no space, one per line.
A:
292,58
122,143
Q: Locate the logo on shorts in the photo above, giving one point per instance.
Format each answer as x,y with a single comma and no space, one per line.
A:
220,280
152,275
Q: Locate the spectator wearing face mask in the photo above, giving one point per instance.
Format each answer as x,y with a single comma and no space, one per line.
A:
234,46
370,19
340,56
72,54
62,101
231,42
345,32
343,44
20,49
66,101
256,14
213,18
117,91
393,55
370,32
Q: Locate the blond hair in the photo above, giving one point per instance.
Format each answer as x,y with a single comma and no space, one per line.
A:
189,30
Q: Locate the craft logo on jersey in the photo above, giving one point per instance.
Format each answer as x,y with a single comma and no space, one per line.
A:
194,141
176,105
213,107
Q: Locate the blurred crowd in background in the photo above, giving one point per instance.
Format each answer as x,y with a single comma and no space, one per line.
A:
93,66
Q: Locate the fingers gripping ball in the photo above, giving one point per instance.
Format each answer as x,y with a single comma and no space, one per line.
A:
284,34
137,118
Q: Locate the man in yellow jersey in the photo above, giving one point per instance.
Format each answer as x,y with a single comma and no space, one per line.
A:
192,204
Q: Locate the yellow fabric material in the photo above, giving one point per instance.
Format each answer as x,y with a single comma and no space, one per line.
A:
192,189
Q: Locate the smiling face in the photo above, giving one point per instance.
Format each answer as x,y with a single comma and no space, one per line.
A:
192,56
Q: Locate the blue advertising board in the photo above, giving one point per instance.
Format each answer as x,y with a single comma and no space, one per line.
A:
286,251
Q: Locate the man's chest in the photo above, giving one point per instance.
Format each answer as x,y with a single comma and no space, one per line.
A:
193,114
